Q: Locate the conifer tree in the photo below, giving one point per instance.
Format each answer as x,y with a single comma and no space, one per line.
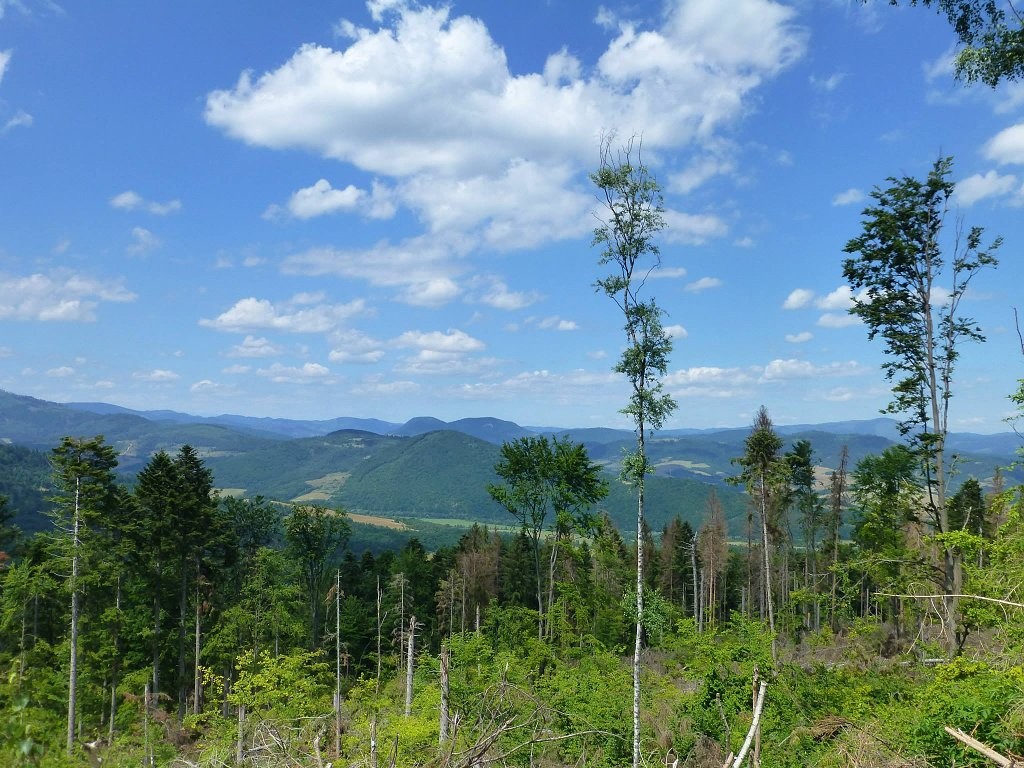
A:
766,476
83,475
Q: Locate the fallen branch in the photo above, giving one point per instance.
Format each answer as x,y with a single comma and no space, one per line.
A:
976,745
962,597
758,707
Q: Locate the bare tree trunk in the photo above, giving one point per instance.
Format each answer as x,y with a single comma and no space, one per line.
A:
638,642
115,666
73,641
701,602
444,721
408,666
182,610
768,570
337,661
240,740
197,682
693,568
147,755
155,692
551,585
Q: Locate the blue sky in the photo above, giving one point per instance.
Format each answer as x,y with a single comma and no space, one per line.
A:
382,209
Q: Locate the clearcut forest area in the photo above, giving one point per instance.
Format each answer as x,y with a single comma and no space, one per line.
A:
242,592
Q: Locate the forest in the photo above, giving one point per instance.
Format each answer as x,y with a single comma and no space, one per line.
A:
867,615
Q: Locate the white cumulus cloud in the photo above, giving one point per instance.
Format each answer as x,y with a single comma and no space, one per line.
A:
1007,146
703,284
424,99
978,187
298,315
131,201
286,374
58,296
798,299
156,376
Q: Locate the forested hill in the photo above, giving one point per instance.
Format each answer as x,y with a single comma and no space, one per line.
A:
425,469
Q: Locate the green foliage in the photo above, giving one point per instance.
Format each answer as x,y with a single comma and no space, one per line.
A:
897,267
316,536
284,687
993,44
974,696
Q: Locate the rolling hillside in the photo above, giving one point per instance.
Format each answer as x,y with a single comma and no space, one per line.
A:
425,469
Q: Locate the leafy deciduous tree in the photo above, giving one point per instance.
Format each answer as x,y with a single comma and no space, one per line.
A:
315,536
897,274
992,34
547,480
633,215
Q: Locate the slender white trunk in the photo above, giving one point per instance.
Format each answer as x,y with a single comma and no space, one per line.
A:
444,721
638,642
767,568
73,664
411,642
197,682
337,663
115,668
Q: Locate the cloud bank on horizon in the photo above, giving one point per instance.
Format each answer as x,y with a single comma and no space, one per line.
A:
389,214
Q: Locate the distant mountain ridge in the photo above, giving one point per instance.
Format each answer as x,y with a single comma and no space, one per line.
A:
427,468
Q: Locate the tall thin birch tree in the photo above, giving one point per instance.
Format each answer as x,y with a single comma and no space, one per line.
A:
632,216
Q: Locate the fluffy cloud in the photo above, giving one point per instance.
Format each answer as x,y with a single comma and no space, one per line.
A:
143,241
1007,146
441,353
298,315
59,296
284,374
851,196
556,323
499,296
840,298
252,346
422,269
978,187
132,201
710,381
21,119
667,273
798,299
700,171
322,199
703,284
452,342
426,100
827,84
156,376
836,320
692,229
434,93
354,347
782,370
